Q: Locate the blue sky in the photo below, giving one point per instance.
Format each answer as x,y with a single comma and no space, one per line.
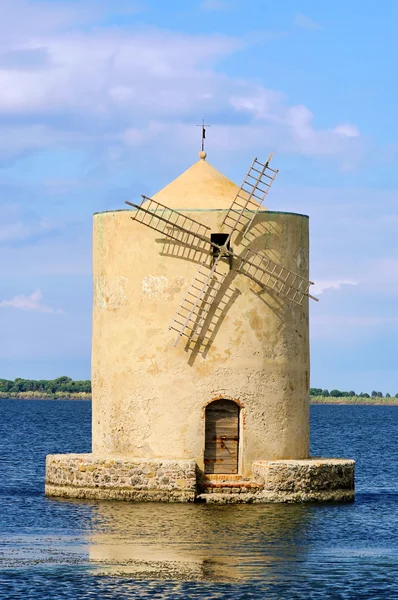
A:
99,104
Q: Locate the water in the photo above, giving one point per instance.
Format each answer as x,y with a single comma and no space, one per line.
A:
84,549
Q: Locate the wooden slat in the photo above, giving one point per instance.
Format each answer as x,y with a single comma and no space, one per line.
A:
222,437
250,197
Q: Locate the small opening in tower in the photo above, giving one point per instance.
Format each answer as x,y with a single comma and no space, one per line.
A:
220,239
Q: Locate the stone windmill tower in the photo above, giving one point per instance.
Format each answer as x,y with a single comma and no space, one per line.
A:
200,356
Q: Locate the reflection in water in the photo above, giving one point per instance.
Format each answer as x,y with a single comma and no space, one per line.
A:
213,543
47,546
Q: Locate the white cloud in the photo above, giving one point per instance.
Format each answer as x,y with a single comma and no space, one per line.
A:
321,285
19,18
24,59
151,71
133,85
32,303
290,128
240,139
305,22
347,130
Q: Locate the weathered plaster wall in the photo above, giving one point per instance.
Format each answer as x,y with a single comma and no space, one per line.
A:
149,397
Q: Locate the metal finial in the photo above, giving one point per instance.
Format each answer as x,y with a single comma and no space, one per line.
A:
203,126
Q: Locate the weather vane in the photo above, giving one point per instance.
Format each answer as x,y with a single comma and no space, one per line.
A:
203,126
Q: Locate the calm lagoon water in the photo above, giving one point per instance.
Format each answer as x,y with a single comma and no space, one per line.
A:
84,549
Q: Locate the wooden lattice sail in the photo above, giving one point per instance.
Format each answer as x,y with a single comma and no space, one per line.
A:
207,282
197,301
250,197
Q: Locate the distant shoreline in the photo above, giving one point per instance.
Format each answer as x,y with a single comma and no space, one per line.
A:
354,400
43,396
313,400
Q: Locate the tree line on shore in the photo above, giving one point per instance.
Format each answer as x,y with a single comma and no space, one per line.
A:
45,386
69,386
350,394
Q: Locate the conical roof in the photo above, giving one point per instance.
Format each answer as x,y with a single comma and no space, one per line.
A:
200,186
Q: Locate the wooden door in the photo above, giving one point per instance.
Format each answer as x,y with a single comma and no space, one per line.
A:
222,437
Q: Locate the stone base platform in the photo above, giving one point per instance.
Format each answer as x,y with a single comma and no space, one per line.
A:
120,478
156,480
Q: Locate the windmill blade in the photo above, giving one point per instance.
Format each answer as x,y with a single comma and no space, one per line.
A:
268,274
250,197
197,302
172,224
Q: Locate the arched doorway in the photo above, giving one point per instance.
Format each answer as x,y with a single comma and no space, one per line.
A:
221,437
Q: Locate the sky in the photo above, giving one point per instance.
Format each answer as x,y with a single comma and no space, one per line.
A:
99,104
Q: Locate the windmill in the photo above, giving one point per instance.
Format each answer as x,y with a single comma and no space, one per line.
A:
231,429
208,280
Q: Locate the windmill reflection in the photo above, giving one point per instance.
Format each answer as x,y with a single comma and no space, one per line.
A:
191,542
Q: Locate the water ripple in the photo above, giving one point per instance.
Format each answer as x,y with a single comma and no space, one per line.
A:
85,549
